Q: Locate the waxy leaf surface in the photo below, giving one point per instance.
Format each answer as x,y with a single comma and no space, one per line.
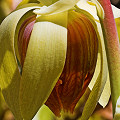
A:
44,62
9,73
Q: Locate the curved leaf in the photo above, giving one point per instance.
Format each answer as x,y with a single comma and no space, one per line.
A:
57,7
104,98
99,8
99,84
27,1
83,4
28,5
9,73
44,62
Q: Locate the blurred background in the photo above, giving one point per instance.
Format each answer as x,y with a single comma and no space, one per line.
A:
7,6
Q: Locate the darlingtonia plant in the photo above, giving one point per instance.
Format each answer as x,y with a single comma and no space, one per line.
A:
50,50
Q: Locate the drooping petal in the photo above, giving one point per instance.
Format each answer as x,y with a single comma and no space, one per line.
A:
84,5
28,5
44,62
99,8
99,84
9,73
57,7
104,98
82,48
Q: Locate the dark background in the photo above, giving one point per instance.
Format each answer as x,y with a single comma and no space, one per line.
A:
116,3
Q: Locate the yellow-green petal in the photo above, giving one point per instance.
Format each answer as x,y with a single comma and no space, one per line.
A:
100,75
46,2
105,96
44,62
9,73
83,4
44,113
91,6
27,5
27,1
57,7
106,91
63,2
100,11
99,84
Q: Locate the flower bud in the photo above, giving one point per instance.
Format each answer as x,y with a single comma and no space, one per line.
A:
81,57
40,44
82,48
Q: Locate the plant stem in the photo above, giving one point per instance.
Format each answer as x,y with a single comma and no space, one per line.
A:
112,50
